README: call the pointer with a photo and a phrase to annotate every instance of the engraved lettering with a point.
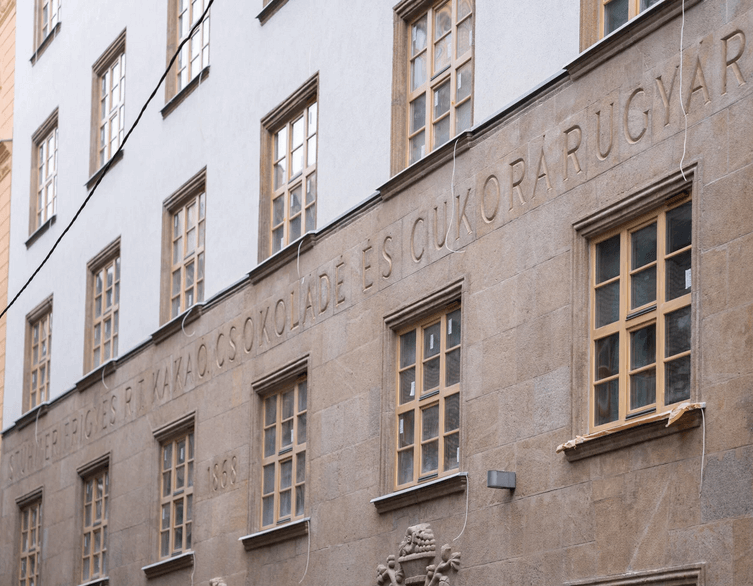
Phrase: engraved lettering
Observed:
(232, 343)
(113, 408)
(280, 317)
(309, 305)
(248, 334)
(218, 358)
(202, 364)
(155, 383)
(263, 313)
(294, 311)
(47, 446)
(515, 183)
(570, 152)
(491, 188)
(366, 265)
(166, 382)
(323, 279)
(129, 395)
(698, 83)
(601, 154)
(443, 231)
(461, 214)
(665, 97)
(88, 425)
(387, 257)
(731, 62)
(416, 257)
(632, 139)
(542, 172)
(338, 283)
(176, 373)
(104, 413)
(189, 371)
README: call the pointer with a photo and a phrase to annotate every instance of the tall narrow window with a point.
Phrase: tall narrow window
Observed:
(194, 56)
(47, 178)
(440, 76)
(176, 495)
(187, 273)
(284, 455)
(428, 399)
(615, 13)
(31, 544)
(96, 507)
(104, 305)
(641, 285)
(111, 108)
(48, 17)
(39, 355)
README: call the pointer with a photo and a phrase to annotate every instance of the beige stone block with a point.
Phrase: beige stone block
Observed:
(607, 488)
(726, 210)
(741, 270)
(543, 344)
(498, 362)
(712, 543)
(742, 536)
(552, 285)
(684, 501)
(714, 280)
(727, 344)
(580, 562)
(484, 413)
(729, 414)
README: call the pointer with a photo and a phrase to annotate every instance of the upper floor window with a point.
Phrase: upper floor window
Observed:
(615, 13)
(641, 316)
(31, 544)
(45, 174)
(96, 508)
(194, 56)
(103, 306)
(39, 355)
(111, 108)
(176, 495)
(440, 76)
(48, 15)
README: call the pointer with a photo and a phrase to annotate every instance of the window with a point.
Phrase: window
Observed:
(111, 109)
(104, 305)
(284, 456)
(46, 158)
(31, 544)
(294, 172)
(183, 253)
(194, 56)
(428, 399)
(48, 15)
(39, 355)
(96, 506)
(440, 76)
(615, 13)
(641, 316)
(176, 495)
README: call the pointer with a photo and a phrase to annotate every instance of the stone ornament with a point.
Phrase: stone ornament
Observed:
(414, 563)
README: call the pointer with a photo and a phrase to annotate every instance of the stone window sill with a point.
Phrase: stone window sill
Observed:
(178, 98)
(101, 171)
(421, 493)
(41, 230)
(276, 534)
(683, 417)
(97, 582)
(269, 10)
(179, 562)
(45, 43)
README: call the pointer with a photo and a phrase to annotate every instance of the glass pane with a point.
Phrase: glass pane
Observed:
(607, 356)
(270, 410)
(302, 429)
(417, 147)
(179, 512)
(643, 347)
(408, 349)
(405, 466)
(464, 8)
(418, 72)
(442, 97)
(285, 504)
(267, 510)
(453, 329)
(297, 133)
(302, 395)
(286, 434)
(643, 287)
(429, 422)
(280, 175)
(166, 516)
(464, 82)
(442, 132)
(180, 477)
(311, 151)
(607, 397)
(451, 451)
(295, 228)
(679, 227)
(312, 119)
(643, 389)
(299, 500)
(643, 246)
(277, 239)
(607, 304)
(300, 467)
(442, 20)
(431, 374)
(405, 429)
(87, 515)
(431, 340)
(288, 404)
(418, 35)
(615, 15)
(165, 543)
(418, 113)
(189, 274)
(442, 53)
(167, 457)
(407, 385)
(678, 275)
(452, 368)
(311, 189)
(269, 479)
(166, 483)
(677, 380)
(465, 36)
(452, 412)
(608, 259)
(647, 3)
(176, 282)
(296, 165)
(677, 331)
(429, 457)
(178, 536)
(310, 218)
(188, 535)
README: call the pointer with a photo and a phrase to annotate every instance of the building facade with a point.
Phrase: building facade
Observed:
(525, 358)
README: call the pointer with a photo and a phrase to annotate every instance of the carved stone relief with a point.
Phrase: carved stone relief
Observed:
(414, 565)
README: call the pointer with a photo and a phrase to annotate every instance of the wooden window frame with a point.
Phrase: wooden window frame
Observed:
(40, 140)
(113, 58)
(283, 117)
(173, 497)
(407, 13)
(592, 17)
(174, 84)
(96, 496)
(30, 554)
(421, 401)
(44, 27)
(189, 194)
(295, 453)
(109, 257)
(633, 320)
(40, 314)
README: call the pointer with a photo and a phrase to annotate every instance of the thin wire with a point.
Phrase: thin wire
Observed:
(703, 453)
(308, 553)
(298, 260)
(452, 201)
(109, 163)
(183, 324)
(36, 425)
(467, 498)
(679, 93)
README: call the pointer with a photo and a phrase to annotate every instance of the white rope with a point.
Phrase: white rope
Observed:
(36, 425)
(703, 452)
(452, 201)
(183, 324)
(193, 554)
(298, 259)
(104, 366)
(679, 93)
(308, 552)
(467, 497)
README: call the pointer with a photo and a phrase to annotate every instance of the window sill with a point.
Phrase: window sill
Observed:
(178, 98)
(276, 534)
(269, 10)
(421, 493)
(45, 43)
(101, 171)
(97, 582)
(41, 230)
(683, 417)
(179, 562)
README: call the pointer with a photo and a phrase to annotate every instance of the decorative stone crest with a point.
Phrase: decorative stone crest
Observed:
(414, 564)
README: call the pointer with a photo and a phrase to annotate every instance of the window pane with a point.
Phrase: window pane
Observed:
(286, 434)
(300, 467)
(429, 422)
(285, 504)
(465, 37)
(431, 340)
(452, 368)
(407, 385)
(643, 287)
(615, 15)
(607, 356)
(270, 410)
(418, 35)
(442, 97)
(442, 53)
(269, 479)
(608, 259)
(302, 429)
(405, 466)
(607, 304)
(677, 383)
(288, 404)
(299, 500)
(452, 412)
(607, 397)
(451, 451)
(311, 151)
(408, 349)
(453, 329)
(311, 189)
(643, 347)
(418, 72)
(405, 429)
(418, 113)
(429, 457)
(643, 250)
(167, 457)
(417, 147)
(302, 395)
(442, 20)
(277, 239)
(297, 133)
(679, 227)
(296, 164)
(280, 175)
(463, 117)
(267, 510)
(431, 374)
(643, 389)
(678, 275)
(677, 331)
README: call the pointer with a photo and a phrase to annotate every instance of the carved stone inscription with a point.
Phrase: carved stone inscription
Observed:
(414, 566)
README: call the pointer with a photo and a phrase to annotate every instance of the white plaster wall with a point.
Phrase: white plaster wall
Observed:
(253, 69)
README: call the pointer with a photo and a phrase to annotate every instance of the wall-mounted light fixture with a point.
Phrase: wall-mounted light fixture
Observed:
(499, 479)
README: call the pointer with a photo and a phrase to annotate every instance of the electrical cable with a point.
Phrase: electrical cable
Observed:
(308, 552)
(109, 163)
(703, 452)
(679, 93)
(467, 498)
(452, 203)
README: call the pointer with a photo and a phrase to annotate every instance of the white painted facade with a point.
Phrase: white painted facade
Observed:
(517, 45)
